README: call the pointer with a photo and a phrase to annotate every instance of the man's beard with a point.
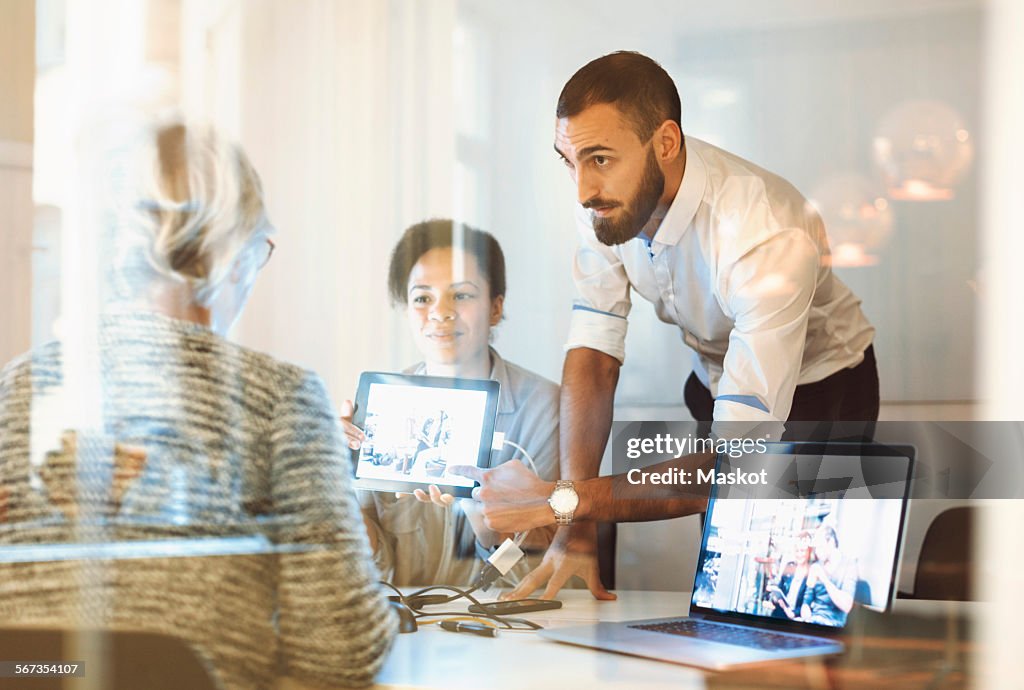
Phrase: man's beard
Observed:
(635, 216)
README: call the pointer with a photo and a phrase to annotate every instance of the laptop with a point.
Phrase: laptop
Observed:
(830, 511)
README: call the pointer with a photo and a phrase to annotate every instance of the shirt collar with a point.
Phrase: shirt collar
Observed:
(499, 373)
(683, 208)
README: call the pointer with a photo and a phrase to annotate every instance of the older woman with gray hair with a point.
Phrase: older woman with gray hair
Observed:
(209, 443)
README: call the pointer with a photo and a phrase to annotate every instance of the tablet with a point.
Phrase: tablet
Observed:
(418, 426)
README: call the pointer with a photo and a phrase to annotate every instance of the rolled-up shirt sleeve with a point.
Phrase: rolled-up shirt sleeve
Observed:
(769, 292)
(601, 308)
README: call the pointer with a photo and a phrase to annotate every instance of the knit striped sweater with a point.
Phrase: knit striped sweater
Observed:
(238, 449)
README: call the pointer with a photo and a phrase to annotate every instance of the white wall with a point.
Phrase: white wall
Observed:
(346, 111)
(363, 117)
(799, 92)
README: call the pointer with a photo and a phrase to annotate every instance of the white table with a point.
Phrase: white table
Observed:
(435, 658)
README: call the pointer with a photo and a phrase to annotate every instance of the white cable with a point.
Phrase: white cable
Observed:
(521, 536)
(499, 441)
(529, 460)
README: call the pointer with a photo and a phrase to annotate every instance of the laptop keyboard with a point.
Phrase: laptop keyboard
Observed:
(728, 634)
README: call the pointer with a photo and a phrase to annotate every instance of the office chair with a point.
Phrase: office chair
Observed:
(944, 566)
(131, 660)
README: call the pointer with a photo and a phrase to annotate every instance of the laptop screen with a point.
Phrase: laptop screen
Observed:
(821, 536)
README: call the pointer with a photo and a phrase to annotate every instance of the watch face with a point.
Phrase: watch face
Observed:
(564, 500)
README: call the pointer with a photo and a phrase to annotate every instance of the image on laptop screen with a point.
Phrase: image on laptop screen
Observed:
(413, 434)
(807, 559)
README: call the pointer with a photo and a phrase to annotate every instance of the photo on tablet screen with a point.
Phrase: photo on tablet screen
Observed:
(418, 427)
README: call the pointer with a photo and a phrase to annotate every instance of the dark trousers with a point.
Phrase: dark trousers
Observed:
(850, 395)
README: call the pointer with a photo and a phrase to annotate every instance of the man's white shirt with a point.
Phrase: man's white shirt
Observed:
(741, 264)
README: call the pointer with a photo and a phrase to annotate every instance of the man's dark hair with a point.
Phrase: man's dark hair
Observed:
(633, 83)
(439, 233)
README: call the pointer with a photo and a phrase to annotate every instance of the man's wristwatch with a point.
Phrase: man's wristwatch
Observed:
(563, 501)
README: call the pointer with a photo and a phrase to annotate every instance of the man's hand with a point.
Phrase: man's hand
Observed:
(487, 537)
(573, 552)
(512, 498)
(472, 510)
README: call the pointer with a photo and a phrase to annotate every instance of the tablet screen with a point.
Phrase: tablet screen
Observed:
(418, 427)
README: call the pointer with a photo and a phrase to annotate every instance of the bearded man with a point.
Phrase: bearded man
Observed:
(730, 253)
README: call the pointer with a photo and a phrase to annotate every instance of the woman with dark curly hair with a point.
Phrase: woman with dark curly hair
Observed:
(450, 281)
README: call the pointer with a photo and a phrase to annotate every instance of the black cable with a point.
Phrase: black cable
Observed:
(459, 593)
(506, 621)
(410, 600)
(487, 575)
